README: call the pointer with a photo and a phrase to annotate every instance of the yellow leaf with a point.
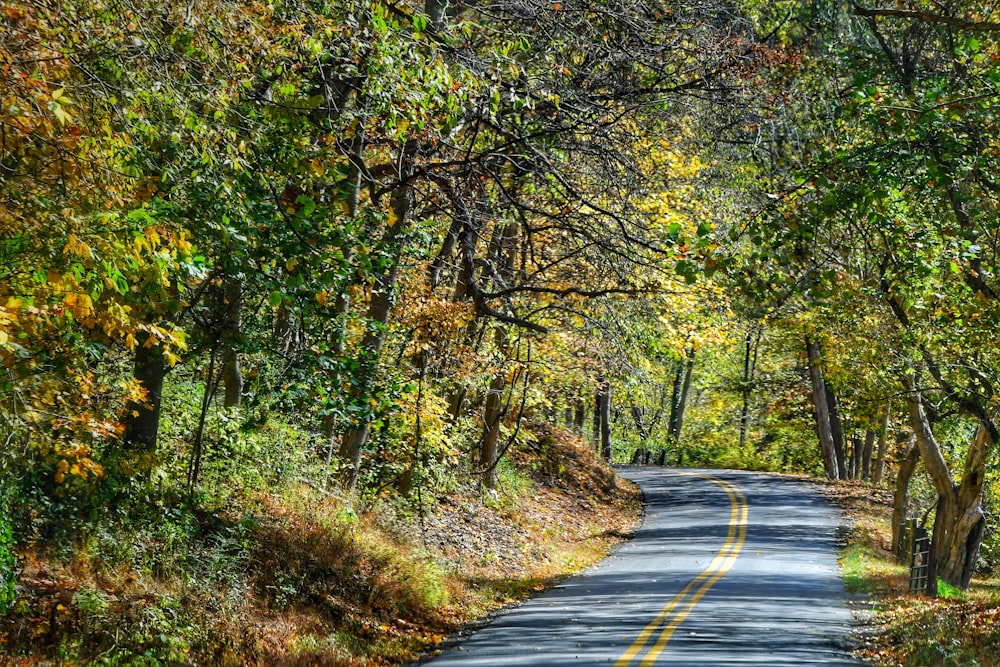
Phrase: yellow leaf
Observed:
(318, 167)
(61, 115)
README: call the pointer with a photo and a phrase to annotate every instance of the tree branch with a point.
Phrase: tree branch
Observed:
(961, 24)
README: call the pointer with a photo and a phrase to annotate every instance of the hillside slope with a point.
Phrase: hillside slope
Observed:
(299, 577)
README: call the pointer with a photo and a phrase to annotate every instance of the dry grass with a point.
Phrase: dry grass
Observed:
(297, 580)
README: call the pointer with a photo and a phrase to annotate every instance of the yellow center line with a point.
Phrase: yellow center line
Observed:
(722, 563)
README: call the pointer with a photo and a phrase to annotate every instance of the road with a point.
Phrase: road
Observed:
(729, 568)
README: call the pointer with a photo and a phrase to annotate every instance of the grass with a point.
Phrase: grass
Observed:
(868, 571)
(956, 629)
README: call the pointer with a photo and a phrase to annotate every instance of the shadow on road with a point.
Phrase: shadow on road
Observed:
(781, 603)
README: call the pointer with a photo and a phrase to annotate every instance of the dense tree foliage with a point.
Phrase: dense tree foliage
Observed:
(404, 235)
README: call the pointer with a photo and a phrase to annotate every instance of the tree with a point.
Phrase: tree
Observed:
(885, 206)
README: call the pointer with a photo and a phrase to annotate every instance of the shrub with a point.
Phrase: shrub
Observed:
(8, 563)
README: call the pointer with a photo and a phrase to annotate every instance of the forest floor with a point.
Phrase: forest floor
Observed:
(298, 577)
(898, 627)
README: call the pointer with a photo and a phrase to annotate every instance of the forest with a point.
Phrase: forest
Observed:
(375, 250)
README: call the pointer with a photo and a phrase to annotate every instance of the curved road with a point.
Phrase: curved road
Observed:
(729, 568)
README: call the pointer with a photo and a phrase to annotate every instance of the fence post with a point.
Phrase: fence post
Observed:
(920, 559)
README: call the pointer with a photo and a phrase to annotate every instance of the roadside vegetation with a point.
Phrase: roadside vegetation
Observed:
(278, 572)
(960, 628)
(286, 284)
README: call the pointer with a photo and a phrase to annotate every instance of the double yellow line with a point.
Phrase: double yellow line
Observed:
(675, 611)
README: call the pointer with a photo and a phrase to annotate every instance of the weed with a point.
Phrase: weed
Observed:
(946, 590)
(8, 563)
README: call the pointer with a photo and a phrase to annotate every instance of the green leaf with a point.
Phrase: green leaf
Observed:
(308, 205)
(275, 299)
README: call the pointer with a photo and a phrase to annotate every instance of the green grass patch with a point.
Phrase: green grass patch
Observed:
(869, 571)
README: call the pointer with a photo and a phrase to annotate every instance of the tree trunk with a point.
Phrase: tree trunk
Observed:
(598, 409)
(878, 470)
(901, 502)
(207, 397)
(232, 374)
(866, 455)
(819, 395)
(678, 421)
(342, 303)
(493, 412)
(837, 431)
(640, 425)
(382, 299)
(286, 330)
(579, 416)
(751, 346)
(445, 254)
(960, 522)
(437, 13)
(606, 420)
(678, 402)
(142, 419)
(675, 401)
(857, 451)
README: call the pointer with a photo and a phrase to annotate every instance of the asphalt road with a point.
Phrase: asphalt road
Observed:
(729, 568)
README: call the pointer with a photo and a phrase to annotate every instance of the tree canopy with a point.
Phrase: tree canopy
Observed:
(755, 235)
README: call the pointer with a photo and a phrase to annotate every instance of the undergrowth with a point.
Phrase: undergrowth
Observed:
(956, 629)
(284, 573)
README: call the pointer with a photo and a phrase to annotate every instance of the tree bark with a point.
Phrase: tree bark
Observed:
(598, 409)
(492, 414)
(751, 347)
(382, 300)
(878, 470)
(857, 451)
(606, 420)
(437, 13)
(683, 401)
(579, 416)
(960, 522)
(142, 419)
(232, 374)
(901, 501)
(819, 395)
(837, 431)
(641, 426)
(866, 455)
